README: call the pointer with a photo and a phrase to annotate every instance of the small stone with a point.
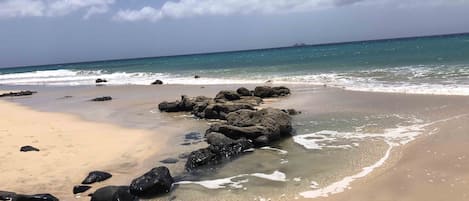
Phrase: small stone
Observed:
(80, 189)
(96, 176)
(169, 161)
(28, 148)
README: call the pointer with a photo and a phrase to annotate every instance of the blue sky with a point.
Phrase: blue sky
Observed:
(34, 32)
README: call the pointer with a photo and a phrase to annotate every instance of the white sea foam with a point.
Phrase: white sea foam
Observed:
(393, 137)
(280, 151)
(237, 181)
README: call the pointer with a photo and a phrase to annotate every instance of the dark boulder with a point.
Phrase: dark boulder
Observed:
(216, 154)
(227, 95)
(101, 99)
(244, 92)
(7, 196)
(196, 76)
(193, 136)
(268, 92)
(169, 161)
(10, 196)
(96, 176)
(99, 80)
(220, 110)
(113, 193)
(155, 182)
(184, 105)
(21, 93)
(218, 139)
(28, 148)
(157, 82)
(80, 189)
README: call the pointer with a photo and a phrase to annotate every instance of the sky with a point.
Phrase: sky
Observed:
(37, 32)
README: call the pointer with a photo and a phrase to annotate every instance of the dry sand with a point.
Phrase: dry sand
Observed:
(70, 148)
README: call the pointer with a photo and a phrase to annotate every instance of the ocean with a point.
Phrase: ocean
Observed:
(423, 65)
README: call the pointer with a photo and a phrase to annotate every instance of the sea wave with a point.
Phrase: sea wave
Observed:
(438, 80)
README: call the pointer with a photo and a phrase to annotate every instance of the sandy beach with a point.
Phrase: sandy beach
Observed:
(69, 149)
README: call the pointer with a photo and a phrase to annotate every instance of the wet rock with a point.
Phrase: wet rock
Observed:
(292, 112)
(227, 95)
(218, 139)
(186, 143)
(96, 176)
(99, 80)
(193, 136)
(101, 99)
(183, 155)
(196, 76)
(113, 193)
(157, 82)
(21, 93)
(169, 161)
(155, 182)
(253, 100)
(80, 189)
(244, 92)
(268, 92)
(220, 110)
(28, 148)
(10, 196)
(216, 154)
(184, 105)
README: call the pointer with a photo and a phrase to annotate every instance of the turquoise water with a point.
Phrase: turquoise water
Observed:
(437, 64)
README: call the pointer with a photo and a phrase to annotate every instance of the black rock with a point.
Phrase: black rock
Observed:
(96, 176)
(244, 92)
(80, 189)
(104, 98)
(169, 161)
(196, 76)
(227, 95)
(218, 139)
(113, 193)
(216, 154)
(21, 93)
(157, 82)
(28, 148)
(155, 182)
(7, 196)
(37, 197)
(185, 105)
(99, 80)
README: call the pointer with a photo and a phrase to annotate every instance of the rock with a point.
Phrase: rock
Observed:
(80, 189)
(216, 154)
(218, 139)
(101, 99)
(21, 93)
(183, 155)
(196, 76)
(262, 127)
(253, 100)
(169, 161)
(10, 196)
(184, 105)
(227, 95)
(99, 80)
(292, 112)
(220, 110)
(268, 92)
(113, 193)
(96, 176)
(157, 82)
(28, 148)
(244, 92)
(155, 182)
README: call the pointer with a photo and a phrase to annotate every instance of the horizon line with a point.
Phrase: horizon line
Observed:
(297, 45)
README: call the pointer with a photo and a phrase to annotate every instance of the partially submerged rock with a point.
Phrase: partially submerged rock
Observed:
(216, 154)
(113, 193)
(80, 189)
(20, 93)
(11, 196)
(184, 105)
(28, 148)
(101, 99)
(155, 182)
(157, 82)
(99, 80)
(96, 176)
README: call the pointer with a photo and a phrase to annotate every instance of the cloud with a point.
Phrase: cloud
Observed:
(188, 8)
(51, 8)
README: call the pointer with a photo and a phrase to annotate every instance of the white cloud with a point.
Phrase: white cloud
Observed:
(188, 8)
(50, 8)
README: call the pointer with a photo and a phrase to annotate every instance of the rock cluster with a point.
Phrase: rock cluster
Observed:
(10, 196)
(21, 93)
